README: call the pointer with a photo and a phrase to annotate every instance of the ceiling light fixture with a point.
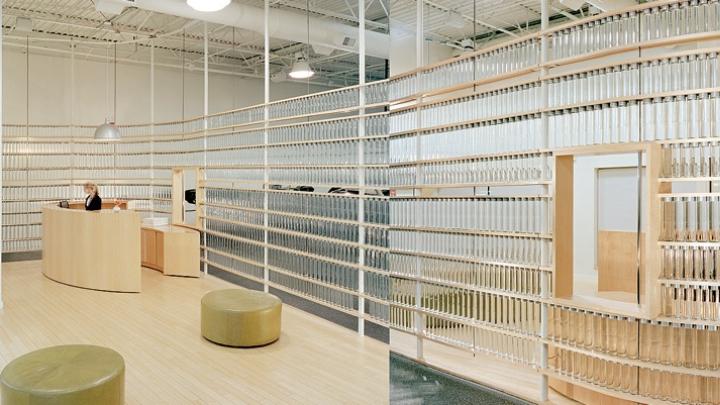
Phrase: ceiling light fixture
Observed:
(208, 6)
(109, 131)
(301, 68)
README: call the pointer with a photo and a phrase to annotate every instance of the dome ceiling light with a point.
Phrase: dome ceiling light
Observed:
(208, 6)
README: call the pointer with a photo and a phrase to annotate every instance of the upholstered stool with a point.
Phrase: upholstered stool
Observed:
(65, 375)
(240, 318)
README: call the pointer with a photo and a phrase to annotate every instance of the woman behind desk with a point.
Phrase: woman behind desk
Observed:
(93, 202)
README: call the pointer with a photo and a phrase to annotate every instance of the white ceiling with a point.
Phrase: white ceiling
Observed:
(179, 40)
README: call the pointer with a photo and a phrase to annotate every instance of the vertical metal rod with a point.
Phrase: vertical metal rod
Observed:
(27, 138)
(152, 128)
(361, 169)
(639, 224)
(206, 93)
(182, 75)
(205, 72)
(115, 83)
(115, 157)
(72, 116)
(1, 148)
(266, 123)
(419, 61)
(544, 276)
(639, 170)
(308, 47)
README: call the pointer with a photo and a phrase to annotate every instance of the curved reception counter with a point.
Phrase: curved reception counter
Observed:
(99, 250)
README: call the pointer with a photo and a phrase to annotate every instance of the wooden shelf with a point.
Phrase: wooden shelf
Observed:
(330, 140)
(657, 43)
(690, 141)
(234, 257)
(463, 86)
(467, 287)
(469, 322)
(715, 244)
(690, 283)
(603, 390)
(466, 259)
(267, 190)
(437, 128)
(258, 264)
(473, 185)
(688, 195)
(300, 234)
(471, 197)
(631, 61)
(488, 156)
(451, 99)
(634, 362)
(338, 288)
(464, 231)
(302, 216)
(687, 179)
(284, 249)
(529, 113)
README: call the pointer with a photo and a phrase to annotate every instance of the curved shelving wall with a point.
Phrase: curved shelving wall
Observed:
(464, 252)
(476, 259)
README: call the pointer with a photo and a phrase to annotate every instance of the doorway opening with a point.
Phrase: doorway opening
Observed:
(603, 201)
(185, 182)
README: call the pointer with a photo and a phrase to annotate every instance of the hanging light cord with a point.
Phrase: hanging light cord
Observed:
(107, 83)
(307, 55)
(115, 84)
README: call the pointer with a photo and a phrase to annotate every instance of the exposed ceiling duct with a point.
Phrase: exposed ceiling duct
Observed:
(602, 5)
(285, 25)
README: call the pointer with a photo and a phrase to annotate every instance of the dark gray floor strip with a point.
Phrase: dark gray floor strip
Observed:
(412, 383)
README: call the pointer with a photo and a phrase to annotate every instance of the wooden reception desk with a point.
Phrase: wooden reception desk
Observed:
(99, 250)
(173, 250)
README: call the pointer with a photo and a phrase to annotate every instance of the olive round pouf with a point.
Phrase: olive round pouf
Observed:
(240, 318)
(65, 375)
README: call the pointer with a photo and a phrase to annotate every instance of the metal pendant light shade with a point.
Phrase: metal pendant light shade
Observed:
(107, 131)
(301, 69)
(208, 6)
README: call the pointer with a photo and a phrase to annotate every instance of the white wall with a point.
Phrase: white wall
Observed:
(622, 209)
(402, 49)
(585, 205)
(51, 94)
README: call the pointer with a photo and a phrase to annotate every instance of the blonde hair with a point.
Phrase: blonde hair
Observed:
(93, 187)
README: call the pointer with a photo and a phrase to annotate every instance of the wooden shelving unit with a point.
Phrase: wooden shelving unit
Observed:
(468, 105)
(435, 136)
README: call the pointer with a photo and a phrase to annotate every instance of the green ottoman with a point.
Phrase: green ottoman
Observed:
(65, 375)
(240, 318)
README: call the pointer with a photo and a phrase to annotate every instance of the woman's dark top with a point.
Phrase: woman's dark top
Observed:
(95, 204)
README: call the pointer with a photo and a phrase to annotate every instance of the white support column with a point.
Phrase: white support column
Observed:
(1, 148)
(544, 277)
(361, 169)
(266, 118)
(205, 73)
(206, 93)
(72, 115)
(419, 61)
(152, 128)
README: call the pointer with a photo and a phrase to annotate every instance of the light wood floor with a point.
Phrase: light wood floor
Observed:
(168, 362)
